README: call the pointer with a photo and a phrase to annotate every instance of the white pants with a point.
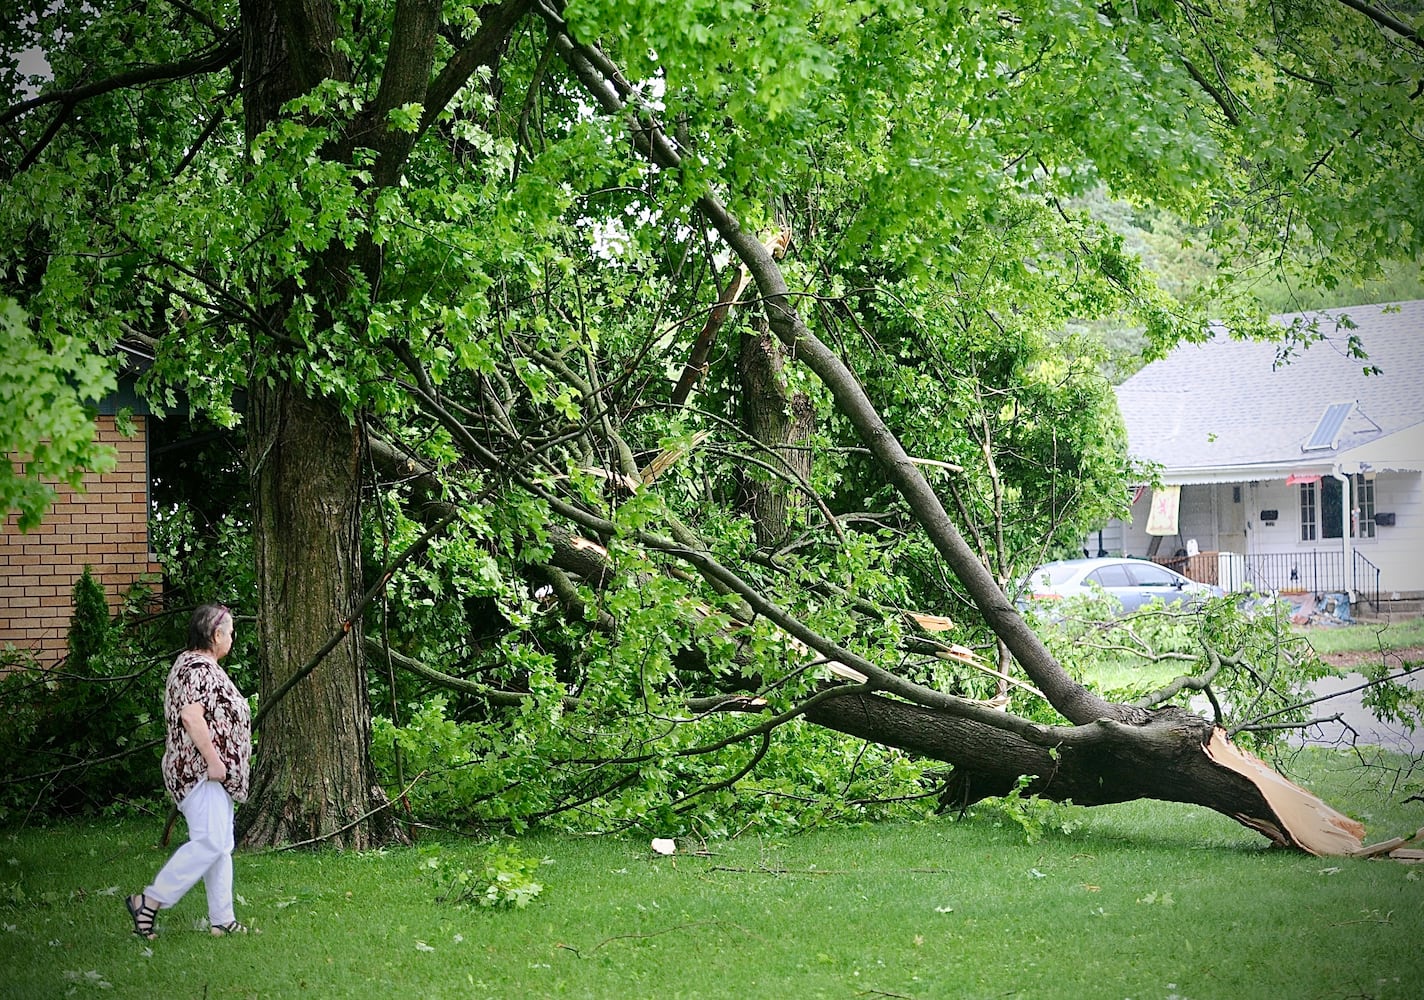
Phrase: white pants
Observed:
(207, 855)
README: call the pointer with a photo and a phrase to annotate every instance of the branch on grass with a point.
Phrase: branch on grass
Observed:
(355, 822)
(669, 930)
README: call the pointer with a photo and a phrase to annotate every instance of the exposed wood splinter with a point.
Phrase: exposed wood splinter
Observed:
(1303, 820)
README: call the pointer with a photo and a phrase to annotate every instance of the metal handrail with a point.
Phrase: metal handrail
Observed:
(1312, 571)
(1365, 591)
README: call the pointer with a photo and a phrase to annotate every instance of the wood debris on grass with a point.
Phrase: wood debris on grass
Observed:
(1394, 849)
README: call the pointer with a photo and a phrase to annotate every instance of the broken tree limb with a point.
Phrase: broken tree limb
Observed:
(696, 366)
(1304, 820)
(609, 88)
(1105, 763)
(1164, 754)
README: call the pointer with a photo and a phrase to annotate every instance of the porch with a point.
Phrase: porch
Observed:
(1319, 571)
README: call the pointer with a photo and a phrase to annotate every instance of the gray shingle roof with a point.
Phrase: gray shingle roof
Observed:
(1227, 403)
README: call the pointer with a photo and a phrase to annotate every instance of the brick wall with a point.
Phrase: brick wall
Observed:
(105, 527)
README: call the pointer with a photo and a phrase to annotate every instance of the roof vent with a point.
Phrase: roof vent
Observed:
(1326, 436)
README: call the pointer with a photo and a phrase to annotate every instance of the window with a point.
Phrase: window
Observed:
(1365, 506)
(1323, 516)
(1110, 576)
(1148, 575)
(1307, 512)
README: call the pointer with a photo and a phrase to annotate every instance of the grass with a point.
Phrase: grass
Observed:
(1366, 637)
(1140, 900)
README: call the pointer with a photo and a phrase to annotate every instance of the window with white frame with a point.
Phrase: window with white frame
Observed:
(1320, 510)
(1364, 506)
(1307, 512)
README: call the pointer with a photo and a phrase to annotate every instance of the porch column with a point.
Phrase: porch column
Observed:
(1347, 546)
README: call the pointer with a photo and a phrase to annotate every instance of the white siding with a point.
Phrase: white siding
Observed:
(1210, 514)
(1398, 549)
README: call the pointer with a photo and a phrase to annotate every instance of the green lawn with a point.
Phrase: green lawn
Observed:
(1144, 900)
(1366, 637)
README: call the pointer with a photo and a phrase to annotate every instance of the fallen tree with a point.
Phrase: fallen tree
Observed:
(1113, 753)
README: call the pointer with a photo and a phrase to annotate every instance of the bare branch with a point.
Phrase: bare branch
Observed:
(224, 55)
(1385, 20)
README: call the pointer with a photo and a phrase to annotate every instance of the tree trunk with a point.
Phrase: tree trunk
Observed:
(314, 777)
(1174, 756)
(781, 421)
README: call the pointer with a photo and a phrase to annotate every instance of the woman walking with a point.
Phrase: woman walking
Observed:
(205, 769)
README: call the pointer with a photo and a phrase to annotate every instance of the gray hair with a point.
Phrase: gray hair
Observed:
(203, 626)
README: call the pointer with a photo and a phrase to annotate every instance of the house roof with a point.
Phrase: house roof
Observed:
(1226, 410)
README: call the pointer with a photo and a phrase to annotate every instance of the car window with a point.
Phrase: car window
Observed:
(1110, 576)
(1148, 575)
(1053, 574)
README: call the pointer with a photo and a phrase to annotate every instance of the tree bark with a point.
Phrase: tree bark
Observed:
(314, 777)
(781, 421)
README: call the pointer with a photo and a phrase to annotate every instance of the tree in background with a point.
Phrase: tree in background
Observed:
(456, 256)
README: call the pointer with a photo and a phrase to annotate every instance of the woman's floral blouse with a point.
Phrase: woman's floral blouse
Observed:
(196, 678)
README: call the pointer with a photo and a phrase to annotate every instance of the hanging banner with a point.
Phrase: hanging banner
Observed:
(1162, 520)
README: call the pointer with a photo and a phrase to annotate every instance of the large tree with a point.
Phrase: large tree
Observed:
(476, 246)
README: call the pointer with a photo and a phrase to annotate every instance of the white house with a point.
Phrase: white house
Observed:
(1298, 474)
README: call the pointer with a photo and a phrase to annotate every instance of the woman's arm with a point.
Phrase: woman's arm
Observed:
(195, 724)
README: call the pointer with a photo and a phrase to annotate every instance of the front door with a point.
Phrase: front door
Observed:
(1231, 503)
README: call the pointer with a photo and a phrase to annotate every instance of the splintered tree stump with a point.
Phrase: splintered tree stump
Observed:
(1305, 820)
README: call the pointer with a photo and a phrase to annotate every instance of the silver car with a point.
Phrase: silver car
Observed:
(1131, 582)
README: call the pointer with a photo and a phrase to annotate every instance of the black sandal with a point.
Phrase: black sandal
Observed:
(143, 916)
(232, 927)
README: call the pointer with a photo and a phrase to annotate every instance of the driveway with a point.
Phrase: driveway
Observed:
(1347, 703)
